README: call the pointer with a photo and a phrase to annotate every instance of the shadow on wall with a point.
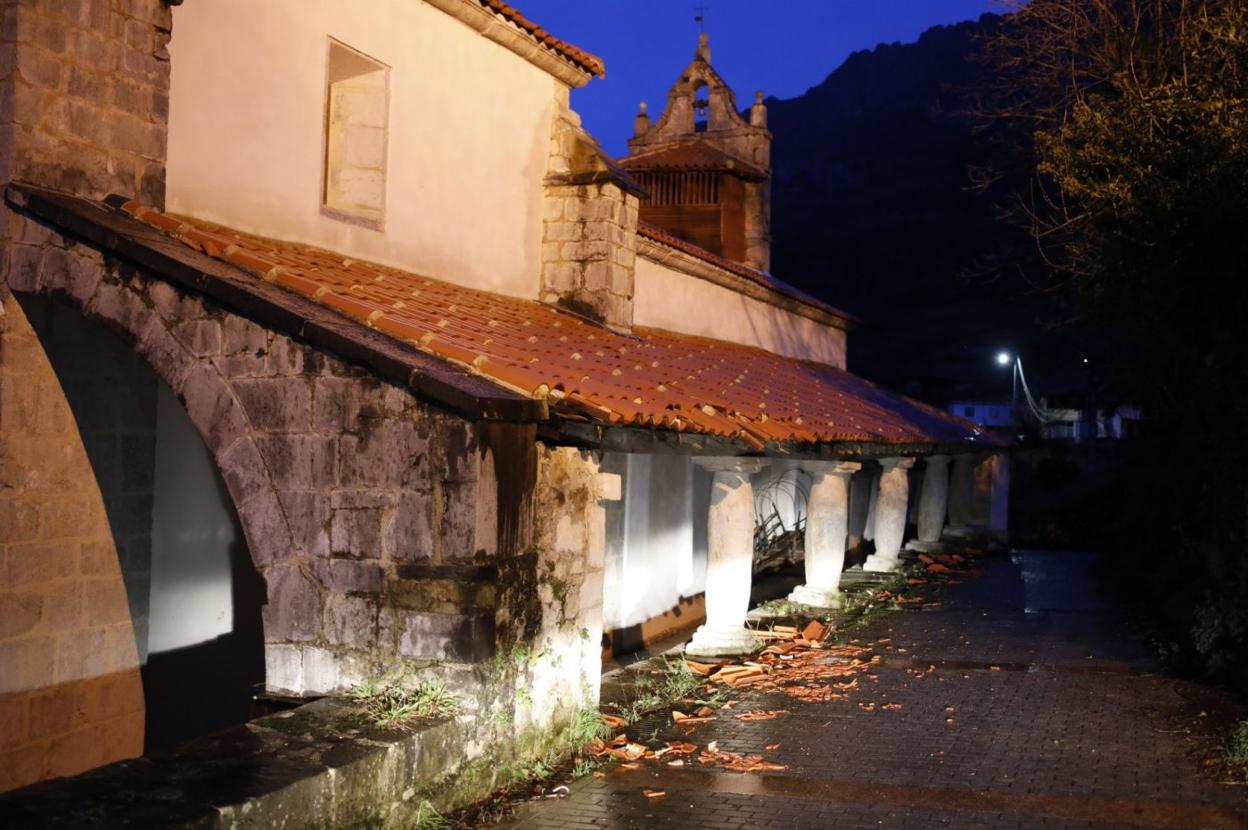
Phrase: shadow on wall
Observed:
(193, 594)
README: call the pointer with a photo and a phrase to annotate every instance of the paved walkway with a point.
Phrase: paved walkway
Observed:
(1042, 711)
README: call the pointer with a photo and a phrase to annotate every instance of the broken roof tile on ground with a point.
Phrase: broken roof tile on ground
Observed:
(649, 378)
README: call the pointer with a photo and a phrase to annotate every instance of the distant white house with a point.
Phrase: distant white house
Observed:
(1059, 423)
(984, 413)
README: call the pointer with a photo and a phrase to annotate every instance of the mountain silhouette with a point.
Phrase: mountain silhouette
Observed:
(874, 211)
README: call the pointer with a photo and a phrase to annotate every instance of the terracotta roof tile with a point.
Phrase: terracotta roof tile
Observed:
(651, 378)
(590, 63)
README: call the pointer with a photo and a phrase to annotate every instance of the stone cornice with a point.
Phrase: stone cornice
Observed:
(693, 266)
(509, 36)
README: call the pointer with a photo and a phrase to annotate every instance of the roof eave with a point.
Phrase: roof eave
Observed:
(114, 232)
(510, 36)
(627, 439)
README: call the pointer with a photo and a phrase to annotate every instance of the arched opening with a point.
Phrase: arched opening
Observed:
(193, 594)
(701, 107)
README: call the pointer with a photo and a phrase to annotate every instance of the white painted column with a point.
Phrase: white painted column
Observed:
(999, 517)
(890, 514)
(827, 528)
(934, 498)
(730, 559)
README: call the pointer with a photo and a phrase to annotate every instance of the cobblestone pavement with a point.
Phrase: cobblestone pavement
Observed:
(1043, 710)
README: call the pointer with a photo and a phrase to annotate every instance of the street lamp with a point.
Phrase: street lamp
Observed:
(1004, 358)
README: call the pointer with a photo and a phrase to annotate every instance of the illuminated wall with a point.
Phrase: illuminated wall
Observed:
(469, 129)
(667, 298)
(71, 697)
(159, 590)
(656, 534)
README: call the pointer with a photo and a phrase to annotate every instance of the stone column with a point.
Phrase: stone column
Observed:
(730, 558)
(961, 494)
(890, 514)
(934, 499)
(827, 528)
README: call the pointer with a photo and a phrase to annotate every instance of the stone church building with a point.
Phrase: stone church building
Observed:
(334, 350)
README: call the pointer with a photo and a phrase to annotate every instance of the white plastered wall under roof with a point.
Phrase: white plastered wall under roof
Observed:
(468, 135)
(656, 546)
(666, 298)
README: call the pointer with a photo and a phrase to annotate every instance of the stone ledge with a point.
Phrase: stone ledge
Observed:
(314, 766)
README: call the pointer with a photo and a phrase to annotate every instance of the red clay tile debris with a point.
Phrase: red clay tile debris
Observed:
(649, 379)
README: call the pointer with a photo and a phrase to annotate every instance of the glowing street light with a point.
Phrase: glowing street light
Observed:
(1004, 359)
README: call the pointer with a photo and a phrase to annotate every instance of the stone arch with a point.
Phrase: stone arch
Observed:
(192, 598)
(163, 326)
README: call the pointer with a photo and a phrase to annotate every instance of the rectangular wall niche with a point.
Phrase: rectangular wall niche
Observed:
(356, 121)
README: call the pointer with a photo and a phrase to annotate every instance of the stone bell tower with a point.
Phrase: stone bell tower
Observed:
(706, 169)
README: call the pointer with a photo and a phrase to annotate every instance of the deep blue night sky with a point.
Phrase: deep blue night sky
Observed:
(779, 46)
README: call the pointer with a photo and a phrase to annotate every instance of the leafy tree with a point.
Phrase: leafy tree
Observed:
(1135, 116)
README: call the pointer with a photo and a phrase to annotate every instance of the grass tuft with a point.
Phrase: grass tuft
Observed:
(587, 726)
(428, 818)
(1237, 745)
(394, 706)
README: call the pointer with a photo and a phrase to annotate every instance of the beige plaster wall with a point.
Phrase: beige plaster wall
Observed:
(469, 134)
(668, 299)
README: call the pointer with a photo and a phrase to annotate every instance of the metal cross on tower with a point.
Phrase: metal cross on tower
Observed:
(700, 17)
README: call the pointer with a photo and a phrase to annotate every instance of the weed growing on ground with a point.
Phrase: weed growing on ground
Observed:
(584, 766)
(537, 770)
(428, 818)
(672, 681)
(676, 680)
(588, 725)
(394, 706)
(1237, 746)
(715, 699)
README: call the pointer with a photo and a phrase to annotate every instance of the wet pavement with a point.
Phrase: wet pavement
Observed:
(1025, 699)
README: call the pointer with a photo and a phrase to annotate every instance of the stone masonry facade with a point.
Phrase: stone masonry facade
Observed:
(395, 539)
(84, 95)
(589, 241)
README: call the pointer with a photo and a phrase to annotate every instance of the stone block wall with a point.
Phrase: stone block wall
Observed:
(589, 238)
(84, 95)
(70, 693)
(396, 540)
(570, 539)
(112, 397)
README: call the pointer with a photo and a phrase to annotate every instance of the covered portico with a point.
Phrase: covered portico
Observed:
(731, 525)
(682, 541)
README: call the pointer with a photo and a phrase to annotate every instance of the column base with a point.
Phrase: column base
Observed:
(816, 597)
(721, 642)
(921, 546)
(880, 564)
